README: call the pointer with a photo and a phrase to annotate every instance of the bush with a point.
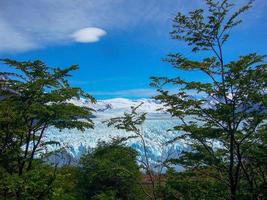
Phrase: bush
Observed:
(192, 185)
(36, 184)
(110, 172)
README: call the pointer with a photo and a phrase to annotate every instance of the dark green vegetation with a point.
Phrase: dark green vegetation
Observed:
(34, 97)
(110, 172)
(228, 138)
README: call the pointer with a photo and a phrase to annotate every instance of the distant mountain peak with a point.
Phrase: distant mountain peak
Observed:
(116, 107)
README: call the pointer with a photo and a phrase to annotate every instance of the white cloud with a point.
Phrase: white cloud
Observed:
(139, 92)
(89, 34)
(31, 24)
(33, 27)
(14, 40)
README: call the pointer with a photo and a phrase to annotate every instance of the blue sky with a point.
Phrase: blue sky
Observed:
(118, 44)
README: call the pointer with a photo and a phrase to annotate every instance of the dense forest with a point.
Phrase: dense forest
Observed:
(228, 139)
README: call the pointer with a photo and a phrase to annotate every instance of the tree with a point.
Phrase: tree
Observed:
(193, 185)
(35, 184)
(35, 97)
(110, 172)
(64, 186)
(133, 122)
(224, 122)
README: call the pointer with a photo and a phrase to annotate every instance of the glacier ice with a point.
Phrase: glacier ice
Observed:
(156, 130)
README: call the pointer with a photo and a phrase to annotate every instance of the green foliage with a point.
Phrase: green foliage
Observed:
(36, 184)
(132, 122)
(34, 97)
(108, 195)
(193, 185)
(203, 32)
(110, 172)
(129, 122)
(65, 184)
(228, 116)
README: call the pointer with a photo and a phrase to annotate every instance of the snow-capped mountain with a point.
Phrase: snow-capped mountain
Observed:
(116, 107)
(155, 129)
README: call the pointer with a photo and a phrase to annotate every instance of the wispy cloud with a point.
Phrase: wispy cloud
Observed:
(33, 24)
(140, 93)
(136, 93)
(11, 39)
(30, 24)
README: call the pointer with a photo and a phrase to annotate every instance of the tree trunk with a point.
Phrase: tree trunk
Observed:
(231, 169)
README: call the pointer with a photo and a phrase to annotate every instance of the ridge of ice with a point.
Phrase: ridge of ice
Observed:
(155, 129)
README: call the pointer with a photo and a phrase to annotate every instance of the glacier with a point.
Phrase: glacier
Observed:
(156, 131)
